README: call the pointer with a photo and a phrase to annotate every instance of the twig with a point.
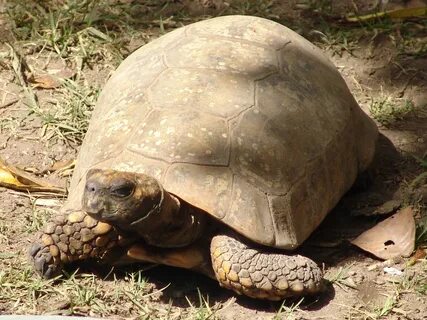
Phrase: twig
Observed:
(9, 103)
(18, 65)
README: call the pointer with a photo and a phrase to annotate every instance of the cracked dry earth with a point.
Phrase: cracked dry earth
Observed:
(374, 68)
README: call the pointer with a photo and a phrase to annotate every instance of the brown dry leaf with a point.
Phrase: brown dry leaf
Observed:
(40, 202)
(418, 255)
(62, 73)
(393, 237)
(60, 166)
(400, 13)
(16, 179)
(45, 81)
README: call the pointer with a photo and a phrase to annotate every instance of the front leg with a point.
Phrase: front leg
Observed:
(75, 237)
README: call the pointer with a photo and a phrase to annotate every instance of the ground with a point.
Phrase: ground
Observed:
(43, 119)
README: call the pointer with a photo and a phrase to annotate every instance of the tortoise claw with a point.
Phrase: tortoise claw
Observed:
(34, 249)
(43, 261)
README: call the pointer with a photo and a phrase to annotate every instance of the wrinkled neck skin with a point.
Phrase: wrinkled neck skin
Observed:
(172, 224)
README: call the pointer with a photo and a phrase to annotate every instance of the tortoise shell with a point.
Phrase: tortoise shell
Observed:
(240, 117)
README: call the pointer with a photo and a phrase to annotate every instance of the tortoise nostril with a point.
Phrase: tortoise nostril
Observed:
(92, 186)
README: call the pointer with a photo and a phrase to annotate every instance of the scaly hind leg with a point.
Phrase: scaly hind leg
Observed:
(263, 275)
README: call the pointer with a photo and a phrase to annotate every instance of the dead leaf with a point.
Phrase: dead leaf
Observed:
(393, 237)
(40, 202)
(99, 34)
(418, 255)
(17, 179)
(63, 73)
(386, 263)
(31, 170)
(60, 166)
(51, 79)
(44, 81)
(393, 14)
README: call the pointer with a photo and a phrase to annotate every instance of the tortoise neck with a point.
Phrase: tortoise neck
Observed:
(172, 223)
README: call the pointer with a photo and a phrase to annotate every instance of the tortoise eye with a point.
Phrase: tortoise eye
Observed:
(122, 191)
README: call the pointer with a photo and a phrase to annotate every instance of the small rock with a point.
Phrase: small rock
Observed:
(392, 271)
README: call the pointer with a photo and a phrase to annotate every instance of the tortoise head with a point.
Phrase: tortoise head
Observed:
(121, 198)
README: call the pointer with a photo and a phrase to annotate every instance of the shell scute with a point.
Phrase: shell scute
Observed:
(213, 185)
(261, 31)
(183, 136)
(214, 92)
(235, 56)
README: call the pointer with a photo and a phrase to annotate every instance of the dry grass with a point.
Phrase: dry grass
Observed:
(70, 33)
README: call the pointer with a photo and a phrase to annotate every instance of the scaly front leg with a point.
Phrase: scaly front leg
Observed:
(75, 237)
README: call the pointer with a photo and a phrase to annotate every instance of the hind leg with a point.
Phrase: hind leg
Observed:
(263, 275)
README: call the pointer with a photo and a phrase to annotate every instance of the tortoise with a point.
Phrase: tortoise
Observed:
(218, 147)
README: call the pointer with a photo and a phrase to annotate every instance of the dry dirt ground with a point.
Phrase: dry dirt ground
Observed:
(42, 122)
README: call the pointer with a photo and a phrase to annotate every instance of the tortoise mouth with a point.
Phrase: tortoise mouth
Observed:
(94, 213)
(103, 215)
